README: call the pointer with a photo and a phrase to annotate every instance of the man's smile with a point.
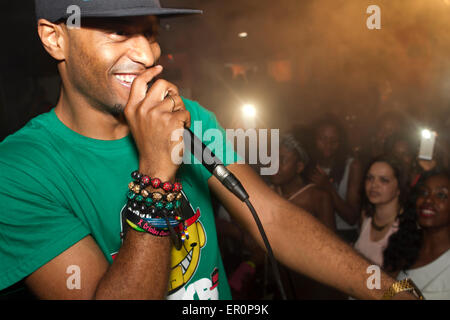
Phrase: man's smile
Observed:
(125, 79)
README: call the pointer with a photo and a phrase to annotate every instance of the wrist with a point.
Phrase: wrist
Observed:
(403, 290)
(162, 173)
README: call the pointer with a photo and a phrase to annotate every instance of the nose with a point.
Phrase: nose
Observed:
(143, 51)
(428, 199)
(374, 184)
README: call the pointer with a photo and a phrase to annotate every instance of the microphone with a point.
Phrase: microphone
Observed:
(213, 164)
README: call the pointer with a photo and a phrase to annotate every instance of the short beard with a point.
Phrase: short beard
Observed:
(116, 110)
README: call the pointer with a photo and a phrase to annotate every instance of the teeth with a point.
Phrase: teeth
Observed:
(428, 212)
(126, 78)
(186, 262)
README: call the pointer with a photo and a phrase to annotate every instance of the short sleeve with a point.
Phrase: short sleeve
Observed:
(205, 126)
(34, 226)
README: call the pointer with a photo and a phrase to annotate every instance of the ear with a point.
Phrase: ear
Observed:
(300, 167)
(53, 38)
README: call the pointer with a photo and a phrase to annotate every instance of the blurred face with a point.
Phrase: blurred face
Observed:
(432, 204)
(290, 167)
(381, 185)
(385, 130)
(105, 55)
(327, 141)
(401, 151)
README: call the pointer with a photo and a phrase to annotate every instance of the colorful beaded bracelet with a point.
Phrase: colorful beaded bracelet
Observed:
(145, 181)
(145, 211)
(168, 197)
(154, 201)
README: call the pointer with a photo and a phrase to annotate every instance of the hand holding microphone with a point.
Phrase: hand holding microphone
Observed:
(153, 114)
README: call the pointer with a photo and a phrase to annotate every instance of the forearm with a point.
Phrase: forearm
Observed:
(305, 245)
(140, 270)
(299, 240)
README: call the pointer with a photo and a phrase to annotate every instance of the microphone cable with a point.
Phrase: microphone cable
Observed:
(215, 166)
(274, 263)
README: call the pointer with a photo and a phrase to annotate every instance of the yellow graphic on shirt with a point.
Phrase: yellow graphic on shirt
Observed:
(185, 260)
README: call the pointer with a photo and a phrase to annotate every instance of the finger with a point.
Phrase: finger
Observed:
(178, 103)
(169, 104)
(184, 117)
(160, 89)
(140, 85)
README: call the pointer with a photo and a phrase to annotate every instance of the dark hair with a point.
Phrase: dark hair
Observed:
(404, 245)
(400, 175)
(338, 168)
(290, 141)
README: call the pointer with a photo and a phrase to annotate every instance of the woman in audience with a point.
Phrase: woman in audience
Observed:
(386, 191)
(420, 250)
(336, 171)
(291, 183)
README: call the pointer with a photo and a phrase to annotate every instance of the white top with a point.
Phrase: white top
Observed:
(373, 250)
(432, 279)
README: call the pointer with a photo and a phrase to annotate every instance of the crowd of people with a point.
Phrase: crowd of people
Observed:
(388, 203)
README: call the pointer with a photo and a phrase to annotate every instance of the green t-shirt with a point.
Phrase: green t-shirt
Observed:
(57, 187)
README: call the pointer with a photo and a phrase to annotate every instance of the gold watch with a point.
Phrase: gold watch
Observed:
(400, 286)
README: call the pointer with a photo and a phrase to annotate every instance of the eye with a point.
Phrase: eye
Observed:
(385, 180)
(442, 195)
(120, 33)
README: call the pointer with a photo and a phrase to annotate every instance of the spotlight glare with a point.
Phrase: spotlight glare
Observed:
(426, 134)
(249, 110)
(243, 35)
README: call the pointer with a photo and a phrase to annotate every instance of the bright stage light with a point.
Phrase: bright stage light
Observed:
(249, 110)
(426, 134)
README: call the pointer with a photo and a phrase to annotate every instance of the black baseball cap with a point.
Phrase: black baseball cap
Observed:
(55, 10)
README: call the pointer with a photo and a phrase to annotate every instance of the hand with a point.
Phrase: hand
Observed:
(152, 117)
(321, 179)
(427, 165)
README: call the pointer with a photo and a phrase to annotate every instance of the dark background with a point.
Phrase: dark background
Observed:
(300, 59)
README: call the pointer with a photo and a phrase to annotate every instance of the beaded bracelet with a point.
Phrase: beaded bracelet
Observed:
(145, 181)
(158, 200)
(146, 212)
(156, 196)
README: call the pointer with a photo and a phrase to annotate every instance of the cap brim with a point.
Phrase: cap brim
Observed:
(136, 12)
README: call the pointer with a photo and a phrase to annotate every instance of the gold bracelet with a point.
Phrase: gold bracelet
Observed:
(400, 286)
